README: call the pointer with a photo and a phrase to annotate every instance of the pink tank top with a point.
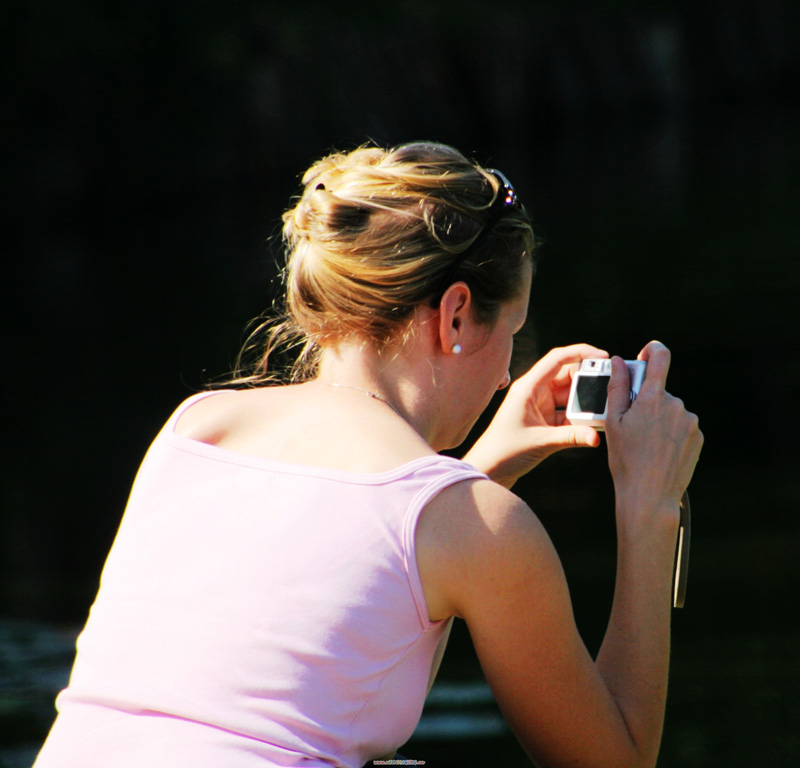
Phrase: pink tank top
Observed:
(253, 614)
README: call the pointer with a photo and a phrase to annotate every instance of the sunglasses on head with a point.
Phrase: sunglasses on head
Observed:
(505, 199)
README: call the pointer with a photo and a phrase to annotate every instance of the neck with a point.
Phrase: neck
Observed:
(368, 393)
(390, 375)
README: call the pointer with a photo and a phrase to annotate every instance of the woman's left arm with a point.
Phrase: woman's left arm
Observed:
(530, 425)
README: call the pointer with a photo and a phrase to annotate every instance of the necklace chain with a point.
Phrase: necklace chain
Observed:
(373, 395)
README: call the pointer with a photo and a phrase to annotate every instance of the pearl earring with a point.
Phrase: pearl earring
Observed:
(456, 349)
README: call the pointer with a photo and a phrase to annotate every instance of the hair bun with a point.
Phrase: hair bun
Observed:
(374, 234)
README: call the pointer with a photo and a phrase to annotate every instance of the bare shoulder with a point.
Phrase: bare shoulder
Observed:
(478, 513)
(473, 535)
(206, 419)
(306, 425)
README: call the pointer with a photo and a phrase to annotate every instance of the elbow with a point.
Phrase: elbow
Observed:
(628, 755)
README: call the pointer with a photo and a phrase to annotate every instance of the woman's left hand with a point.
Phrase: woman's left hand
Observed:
(530, 425)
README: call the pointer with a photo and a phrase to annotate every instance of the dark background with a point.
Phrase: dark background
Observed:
(151, 147)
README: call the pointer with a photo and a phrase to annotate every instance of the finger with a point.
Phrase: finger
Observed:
(619, 390)
(570, 436)
(586, 437)
(658, 359)
(550, 366)
(561, 394)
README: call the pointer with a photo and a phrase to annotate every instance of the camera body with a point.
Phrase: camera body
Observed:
(588, 396)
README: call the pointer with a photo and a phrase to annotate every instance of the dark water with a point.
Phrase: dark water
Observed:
(139, 254)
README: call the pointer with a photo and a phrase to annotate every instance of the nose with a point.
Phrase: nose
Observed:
(506, 381)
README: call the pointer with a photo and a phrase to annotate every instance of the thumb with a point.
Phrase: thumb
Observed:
(619, 389)
(570, 436)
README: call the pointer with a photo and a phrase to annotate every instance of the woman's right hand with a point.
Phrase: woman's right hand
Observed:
(654, 442)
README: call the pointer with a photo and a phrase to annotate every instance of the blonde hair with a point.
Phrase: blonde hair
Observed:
(372, 236)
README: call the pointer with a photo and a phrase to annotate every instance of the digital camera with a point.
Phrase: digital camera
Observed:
(588, 396)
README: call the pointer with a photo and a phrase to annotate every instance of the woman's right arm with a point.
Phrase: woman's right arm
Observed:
(485, 557)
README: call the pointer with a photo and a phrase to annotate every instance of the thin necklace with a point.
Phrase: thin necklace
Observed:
(373, 395)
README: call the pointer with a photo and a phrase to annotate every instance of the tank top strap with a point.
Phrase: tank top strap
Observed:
(185, 405)
(439, 474)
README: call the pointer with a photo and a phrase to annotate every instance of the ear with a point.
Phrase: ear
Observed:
(455, 315)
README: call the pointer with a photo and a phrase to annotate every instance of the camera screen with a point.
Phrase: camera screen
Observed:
(591, 394)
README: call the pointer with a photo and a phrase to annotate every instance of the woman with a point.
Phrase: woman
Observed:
(283, 580)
